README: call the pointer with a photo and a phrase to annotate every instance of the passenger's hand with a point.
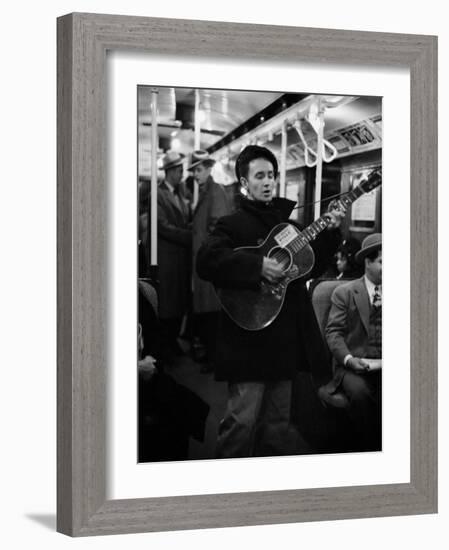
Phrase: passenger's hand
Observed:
(357, 364)
(147, 368)
(272, 270)
(336, 213)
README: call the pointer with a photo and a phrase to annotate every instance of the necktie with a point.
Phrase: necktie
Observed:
(377, 298)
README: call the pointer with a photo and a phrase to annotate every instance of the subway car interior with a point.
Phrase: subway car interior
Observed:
(325, 146)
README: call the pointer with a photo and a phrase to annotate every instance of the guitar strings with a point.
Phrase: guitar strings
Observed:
(299, 238)
(304, 205)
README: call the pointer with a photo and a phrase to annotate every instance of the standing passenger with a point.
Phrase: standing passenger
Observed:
(174, 251)
(260, 365)
(213, 203)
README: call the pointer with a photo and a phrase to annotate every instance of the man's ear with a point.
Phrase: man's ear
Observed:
(244, 182)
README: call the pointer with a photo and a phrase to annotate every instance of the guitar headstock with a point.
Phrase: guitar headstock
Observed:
(373, 180)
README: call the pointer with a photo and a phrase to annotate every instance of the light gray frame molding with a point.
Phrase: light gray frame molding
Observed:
(83, 40)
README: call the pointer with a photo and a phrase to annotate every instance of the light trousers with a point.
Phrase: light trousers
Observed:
(256, 420)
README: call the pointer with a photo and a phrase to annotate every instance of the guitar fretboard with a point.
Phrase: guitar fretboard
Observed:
(311, 232)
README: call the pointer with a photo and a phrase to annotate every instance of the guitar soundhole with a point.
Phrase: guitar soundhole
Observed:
(282, 256)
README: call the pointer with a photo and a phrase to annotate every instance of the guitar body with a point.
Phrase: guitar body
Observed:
(255, 309)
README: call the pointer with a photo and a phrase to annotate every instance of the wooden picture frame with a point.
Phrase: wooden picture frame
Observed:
(83, 40)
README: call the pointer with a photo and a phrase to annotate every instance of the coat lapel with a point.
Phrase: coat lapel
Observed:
(182, 212)
(362, 302)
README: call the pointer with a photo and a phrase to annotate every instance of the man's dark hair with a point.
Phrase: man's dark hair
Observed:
(252, 152)
(373, 255)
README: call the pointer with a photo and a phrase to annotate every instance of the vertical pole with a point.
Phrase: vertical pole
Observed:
(283, 167)
(319, 160)
(197, 141)
(154, 148)
(197, 120)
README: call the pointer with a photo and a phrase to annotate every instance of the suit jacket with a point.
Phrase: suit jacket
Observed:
(174, 252)
(348, 322)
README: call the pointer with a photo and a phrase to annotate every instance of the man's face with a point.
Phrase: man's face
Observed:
(201, 173)
(260, 181)
(174, 175)
(373, 269)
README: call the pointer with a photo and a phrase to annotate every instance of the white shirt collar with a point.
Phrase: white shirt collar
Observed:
(370, 286)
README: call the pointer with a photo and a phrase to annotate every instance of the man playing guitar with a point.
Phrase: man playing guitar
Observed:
(259, 358)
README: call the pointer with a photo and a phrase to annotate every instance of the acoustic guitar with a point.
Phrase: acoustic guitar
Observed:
(256, 308)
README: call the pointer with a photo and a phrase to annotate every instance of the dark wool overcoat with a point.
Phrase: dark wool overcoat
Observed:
(174, 253)
(293, 340)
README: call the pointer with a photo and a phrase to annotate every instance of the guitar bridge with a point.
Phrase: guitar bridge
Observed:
(275, 290)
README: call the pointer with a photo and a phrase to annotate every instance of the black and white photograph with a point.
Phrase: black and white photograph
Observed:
(202, 349)
(259, 328)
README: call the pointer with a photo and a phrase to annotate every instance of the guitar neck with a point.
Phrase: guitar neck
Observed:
(311, 232)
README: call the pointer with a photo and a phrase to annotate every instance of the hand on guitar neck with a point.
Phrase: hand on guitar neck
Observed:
(336, 213)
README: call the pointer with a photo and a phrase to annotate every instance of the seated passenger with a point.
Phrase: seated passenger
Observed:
(354, 336)
(168, 412)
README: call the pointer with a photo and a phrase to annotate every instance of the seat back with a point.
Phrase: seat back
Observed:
(321, 299)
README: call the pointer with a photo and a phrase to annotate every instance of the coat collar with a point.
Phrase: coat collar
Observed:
(283, 207)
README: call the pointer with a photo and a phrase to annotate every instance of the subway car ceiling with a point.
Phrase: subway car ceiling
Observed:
(230, 119)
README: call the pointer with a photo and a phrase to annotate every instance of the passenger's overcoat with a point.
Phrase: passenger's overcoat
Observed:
(213, 203)
(174, 253)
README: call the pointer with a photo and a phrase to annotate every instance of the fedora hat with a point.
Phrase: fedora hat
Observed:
(370, 244)
(172, 159)
(200, 157)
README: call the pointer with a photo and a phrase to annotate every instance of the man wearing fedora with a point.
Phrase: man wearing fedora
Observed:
(354, 336)
(174, 250)
(213, 203)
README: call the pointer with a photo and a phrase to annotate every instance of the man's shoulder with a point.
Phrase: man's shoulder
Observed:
(163, 193)
(214, 184)
(162, 189)
(349, 287)
(237, 217)
(216, 189)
